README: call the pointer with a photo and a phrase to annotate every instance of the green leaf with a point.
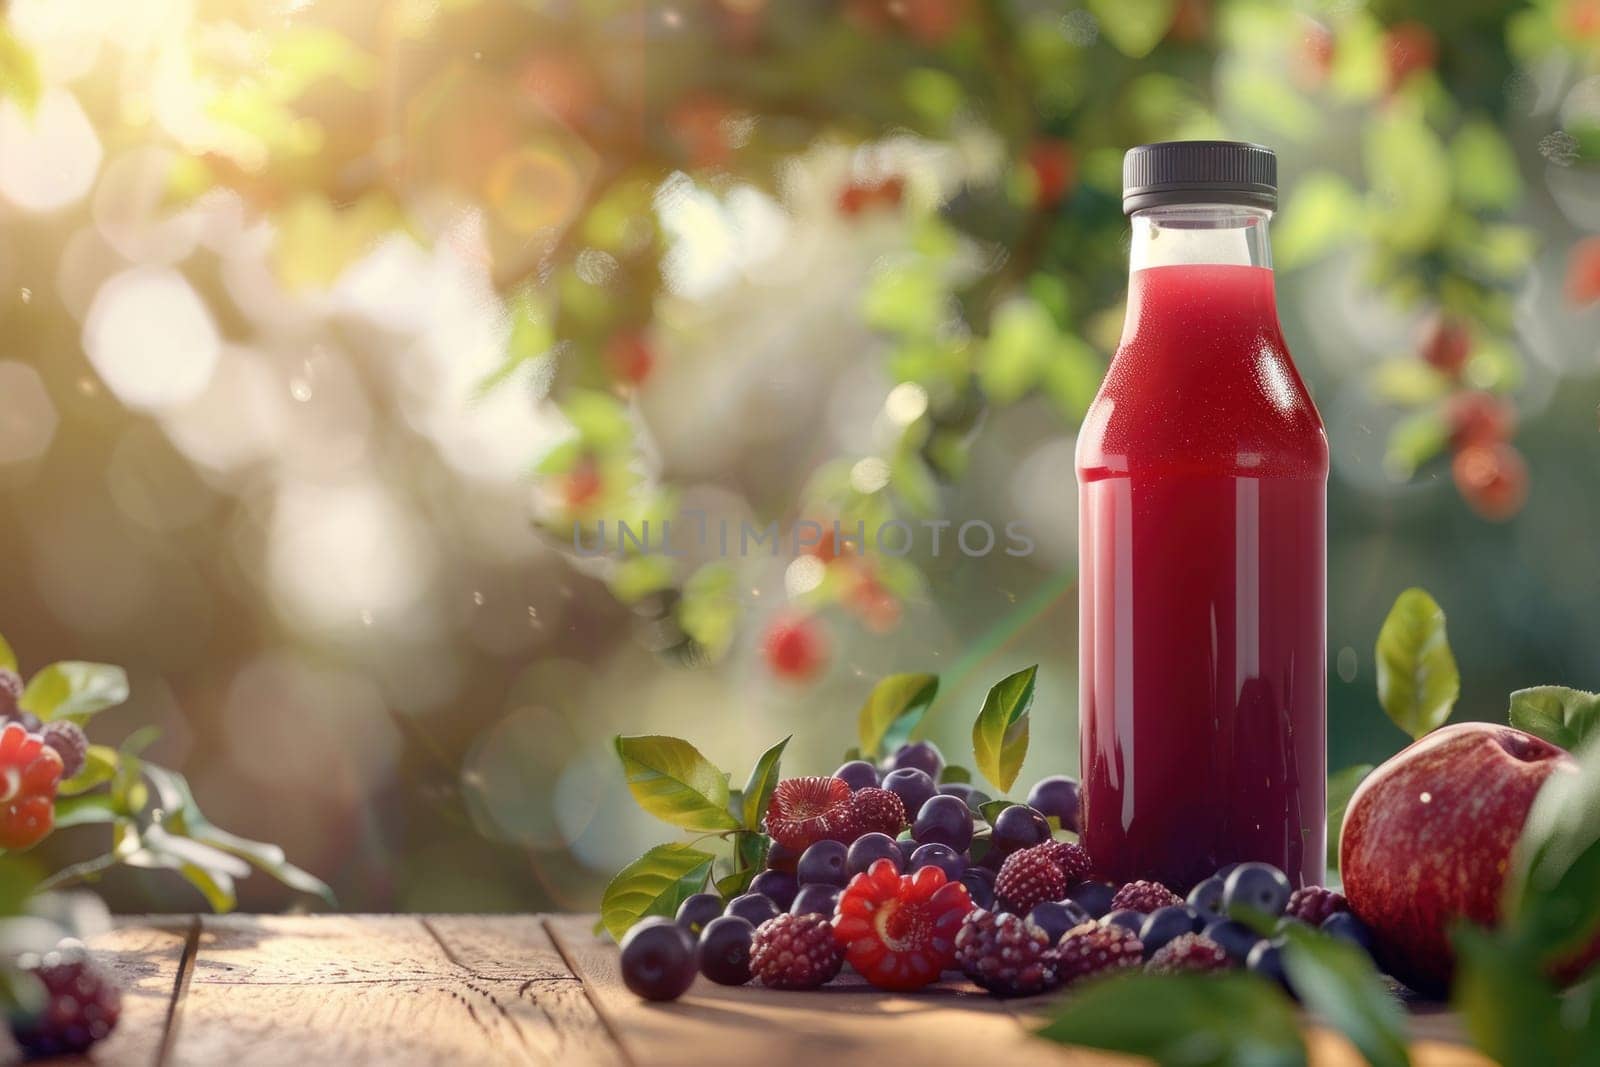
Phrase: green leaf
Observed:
(1509, 1009)
(1134, 27)
(19, 75)
(709, 612)
(80, 811)
(1409, 175)
(8, 658)
(1000, 733)
(1341, 787)
(1560, 715)
(1315, 219)
(1418, 682)
(990, 810)
(892, 711)
(1484, 168)
(1414, 441)
(74, 690)
(954, 773)
(1337, 981)
(1218, 1020)
(99, 767)
(1553, 890)
(758, 788)
(671, 780)
(208, 869)
(654, 884)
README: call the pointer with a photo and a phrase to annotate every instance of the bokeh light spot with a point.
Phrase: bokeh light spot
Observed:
(48, 159)
(27, 418)
(152, 340)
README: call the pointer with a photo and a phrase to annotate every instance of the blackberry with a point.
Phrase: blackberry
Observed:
(781, 886)
(25, 719)
(858, 774)
(1255, 890)
(1005, 954)
(913, 786)
(823, 864)
(81, 1006)
(1312, 904)
(795, 952)
(1166, 925)
(921, 755)
(1093, 897)
(868, 849)
(1029, 878)
(875, 811)
(70, 743)
(944, 820)
(816, 899)
(658, 959)
(1144, 896)
(1056, 917)
(1092, 949)
(10, 692)
(1057, 796)
(1188, 953)
(1072, 858)
(697, 910)
(724, 953)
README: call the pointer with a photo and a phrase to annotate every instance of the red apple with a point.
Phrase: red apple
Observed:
(1427, 840)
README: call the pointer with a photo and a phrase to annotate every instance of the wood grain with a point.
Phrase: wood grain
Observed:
(382, 989)
(144, 955)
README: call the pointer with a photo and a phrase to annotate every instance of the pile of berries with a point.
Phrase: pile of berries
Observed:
(901, 877)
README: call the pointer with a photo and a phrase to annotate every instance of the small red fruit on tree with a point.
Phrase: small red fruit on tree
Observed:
(795, 648)
(1446, 344)
(630, 357)
(1054, 169)
(1583, 272)
(1408, 49)
(1479, 418)
(580, 487)
(1317, 45)
(1492, 479)
(30, 771)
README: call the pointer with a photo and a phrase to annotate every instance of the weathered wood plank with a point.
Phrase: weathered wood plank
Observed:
(144, 954)
(376, 989)
(848, 1021)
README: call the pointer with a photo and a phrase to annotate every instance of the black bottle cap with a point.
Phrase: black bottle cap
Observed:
(1199, 172)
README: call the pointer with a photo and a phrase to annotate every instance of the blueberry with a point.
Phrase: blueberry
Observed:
(1236, 938)
(754, 908)
(980, 886)
(945, 821)
(1093, 897)
(1346, 927)
(1019, 827)
(868, 849)
(823, 863)
(1226, 869)
(923, 755)
(658, 959)
(1206, 898)
(1058, 796)
(817, 898)
(781, 886)
(780, 857)
(947, 859)
(1127, 918)
(725, 950)
(912, 786)
(697, 910)
(1266, 959)
(1166, 923)
(973, 798)
(1056, 917)
(1255, 890)
(857, 774)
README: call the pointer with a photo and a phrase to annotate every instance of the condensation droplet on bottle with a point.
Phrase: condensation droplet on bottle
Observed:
(477, 598)
(300, 389)
(26, 294)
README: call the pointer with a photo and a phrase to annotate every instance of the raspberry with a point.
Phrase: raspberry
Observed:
(1194, 953)
(796, 648)
(1312, 904)
(874, 811)
(10, 691)
(899, 930)
(1005, 954)
(1073, 859)
(81, 1006)
(70, 743)
(1028, 878)
(29, 774)
(795, 952)
(804, 811)
(1093, 949)
(1144, 896)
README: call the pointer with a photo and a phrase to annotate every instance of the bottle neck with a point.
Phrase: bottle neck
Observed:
(1192, 234)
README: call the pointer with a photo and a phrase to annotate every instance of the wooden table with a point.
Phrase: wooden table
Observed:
(453, 989)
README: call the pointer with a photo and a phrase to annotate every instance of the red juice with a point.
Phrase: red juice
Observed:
(1202, 473)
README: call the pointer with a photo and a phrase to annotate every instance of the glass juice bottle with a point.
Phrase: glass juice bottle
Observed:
(1202, 495)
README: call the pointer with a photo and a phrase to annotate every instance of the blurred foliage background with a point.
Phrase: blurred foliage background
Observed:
(325, 322)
